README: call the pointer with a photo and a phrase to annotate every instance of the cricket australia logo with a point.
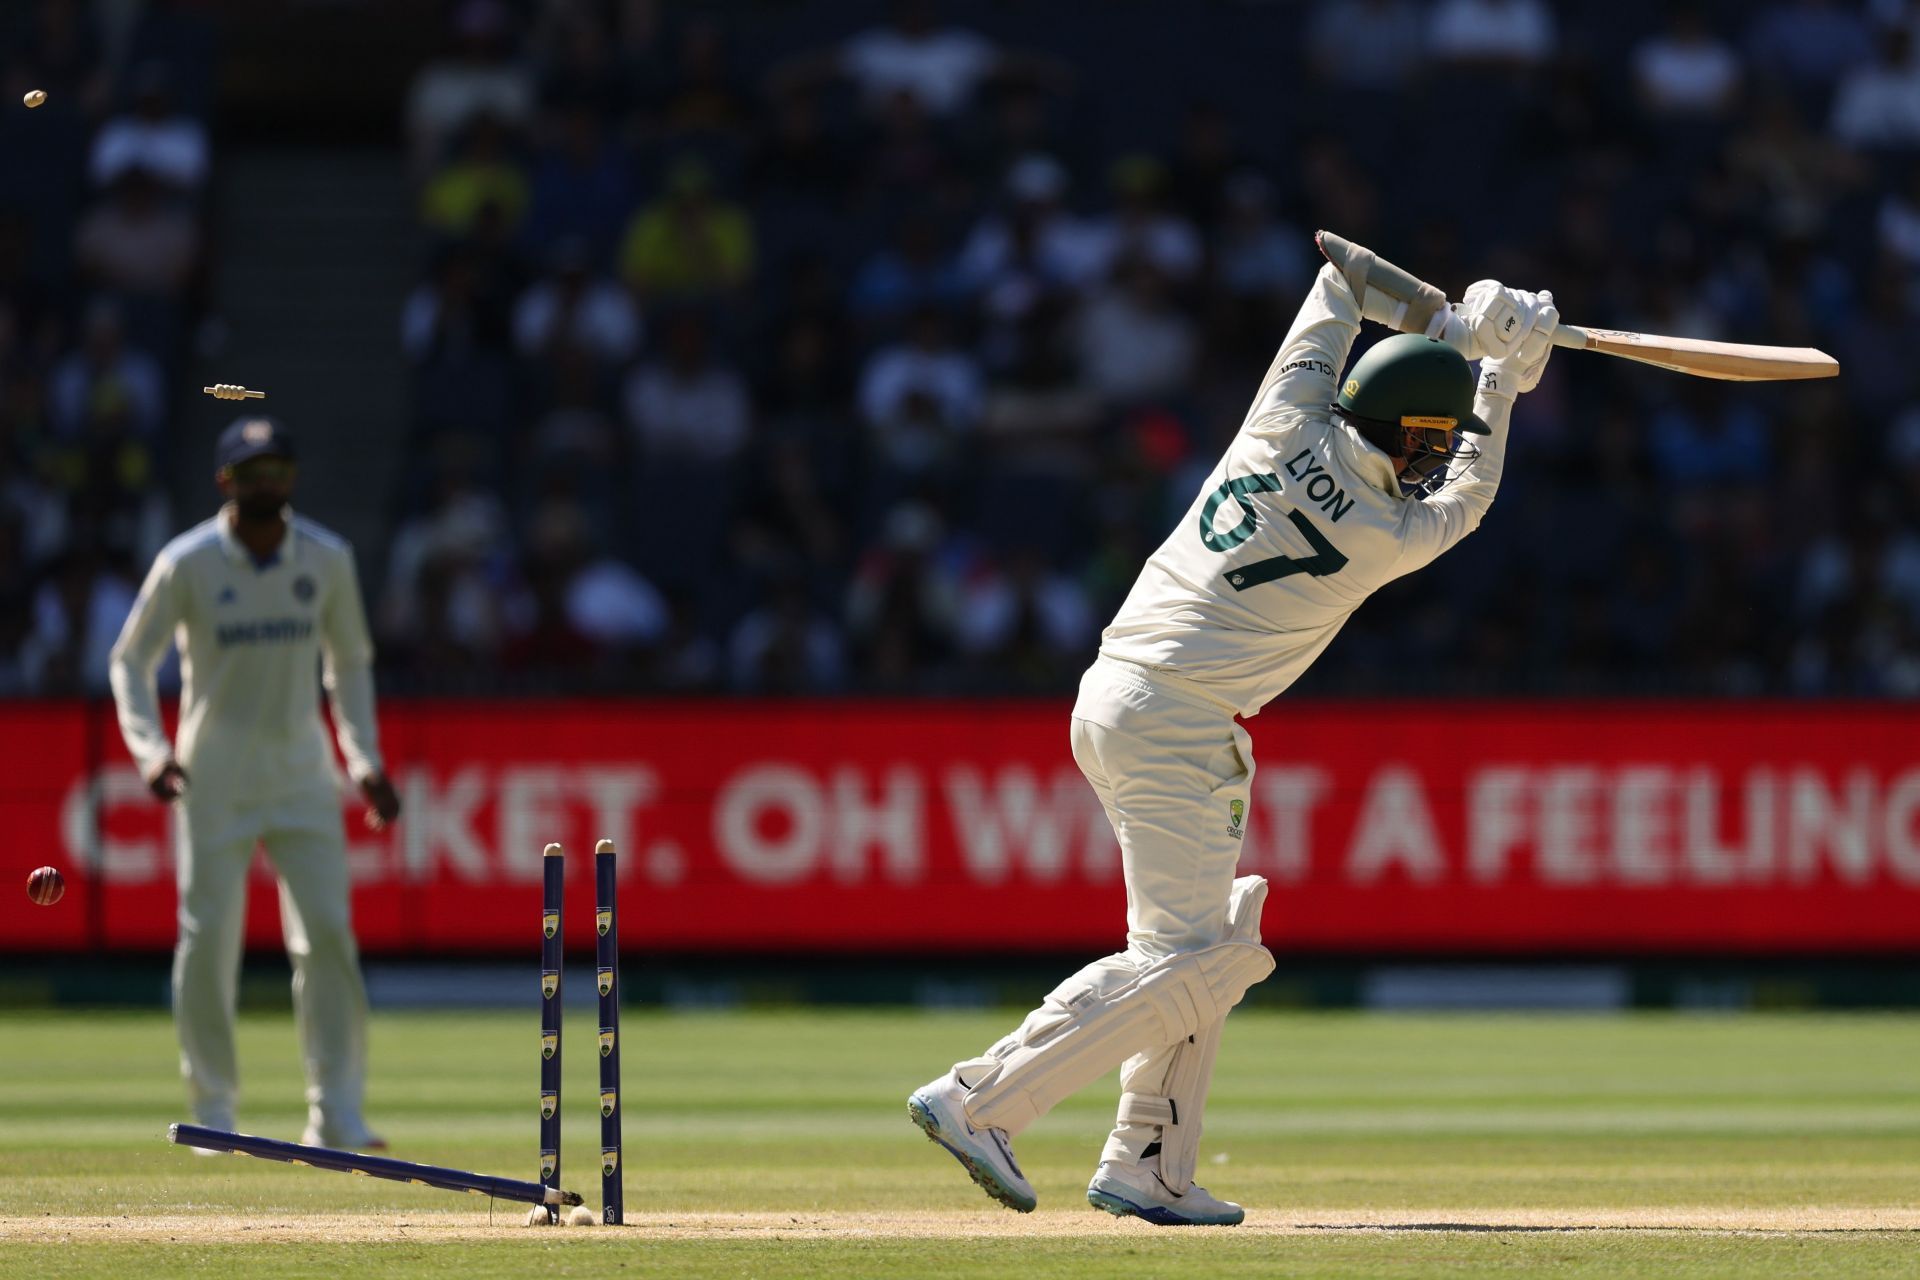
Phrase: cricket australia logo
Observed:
(603, 920)
(549, 1104)
(550, 922)
(609, 1100)
(606, 982)
(609, 1161)
(606, 1042)
(549, 1161)
(1236, 817)
(549, 982)
(549, 1043)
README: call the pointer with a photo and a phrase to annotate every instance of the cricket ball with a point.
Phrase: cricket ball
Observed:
(35, 97)
(46, 885)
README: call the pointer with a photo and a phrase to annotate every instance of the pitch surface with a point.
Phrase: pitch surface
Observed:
(775, 1144)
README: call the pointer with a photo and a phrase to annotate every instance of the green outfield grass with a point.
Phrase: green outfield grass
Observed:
(775, 1143)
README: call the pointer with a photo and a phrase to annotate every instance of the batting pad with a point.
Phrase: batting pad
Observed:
(1098, 1018)
(1164, 1090)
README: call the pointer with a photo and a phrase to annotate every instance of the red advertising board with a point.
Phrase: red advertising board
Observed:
(964, 827)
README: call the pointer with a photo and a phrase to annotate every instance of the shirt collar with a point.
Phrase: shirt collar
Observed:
(1369, 463)
(236, 550)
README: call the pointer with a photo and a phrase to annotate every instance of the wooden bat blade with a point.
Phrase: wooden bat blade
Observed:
(1727, 361)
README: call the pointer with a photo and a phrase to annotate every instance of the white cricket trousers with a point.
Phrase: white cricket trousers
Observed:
(214, 846)
(1174, 772)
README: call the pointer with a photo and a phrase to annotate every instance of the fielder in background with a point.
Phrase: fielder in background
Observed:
(1334, 485)
(258, 599)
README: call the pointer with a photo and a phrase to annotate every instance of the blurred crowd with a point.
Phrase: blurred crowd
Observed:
(103, 227)
(880, 360)
(872, 347)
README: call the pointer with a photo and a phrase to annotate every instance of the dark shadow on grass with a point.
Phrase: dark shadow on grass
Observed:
(1572, 1228)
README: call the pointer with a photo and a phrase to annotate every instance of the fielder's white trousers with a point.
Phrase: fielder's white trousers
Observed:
(214, 845)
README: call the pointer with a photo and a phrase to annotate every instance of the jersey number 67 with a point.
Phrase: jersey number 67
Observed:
(1326, 559)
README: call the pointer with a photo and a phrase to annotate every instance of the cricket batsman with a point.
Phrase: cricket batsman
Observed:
(1335, 484)
(259, 599)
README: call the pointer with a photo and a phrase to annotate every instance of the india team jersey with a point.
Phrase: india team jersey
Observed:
(1300, 522)
(252, 637)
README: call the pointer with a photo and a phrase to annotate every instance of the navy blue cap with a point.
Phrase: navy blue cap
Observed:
(251, 437)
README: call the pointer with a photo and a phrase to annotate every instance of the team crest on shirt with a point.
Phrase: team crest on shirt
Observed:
(1236, 817)
(303, 588)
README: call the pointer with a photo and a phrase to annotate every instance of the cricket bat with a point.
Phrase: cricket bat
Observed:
(1727, 361)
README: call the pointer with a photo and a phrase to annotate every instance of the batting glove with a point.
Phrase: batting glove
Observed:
(1519, 371)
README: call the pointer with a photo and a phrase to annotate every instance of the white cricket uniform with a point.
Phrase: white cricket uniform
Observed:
(1299, 523)
(251, 637)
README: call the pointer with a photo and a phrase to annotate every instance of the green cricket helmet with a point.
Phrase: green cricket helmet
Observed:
(1411, 397)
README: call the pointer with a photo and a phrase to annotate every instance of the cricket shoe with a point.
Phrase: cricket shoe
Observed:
(940, 1109)
(221, 1120)
(1131, 1190)
(360, 1139)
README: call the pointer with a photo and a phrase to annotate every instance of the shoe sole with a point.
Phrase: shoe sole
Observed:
(982, 1174)
(1159, 1216)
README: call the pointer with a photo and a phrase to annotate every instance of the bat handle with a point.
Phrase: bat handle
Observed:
(1364, 269)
